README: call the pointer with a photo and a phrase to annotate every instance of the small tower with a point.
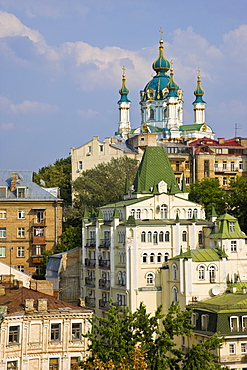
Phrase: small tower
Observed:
(172, 102)
(124, 109)
(199, 103)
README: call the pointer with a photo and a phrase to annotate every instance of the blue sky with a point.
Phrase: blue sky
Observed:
(61, 65)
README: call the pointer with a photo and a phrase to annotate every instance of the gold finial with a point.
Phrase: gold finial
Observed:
(199, 71)
(123, 69)
(160, 31)
(171, 63)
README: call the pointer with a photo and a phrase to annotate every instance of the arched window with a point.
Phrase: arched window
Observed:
(159, 256)
(124, 278)
(189, 213)
(196, 213)
(149, 237)
(138, 214)
(175, 294)
(166, 256)
(161, 237)
(184, 236)
(132, 212)
(151, 113)
(144, 257)
(201, 272)
(163, 211)
(174, 272)
(150, 278)
(167, 236)
(120, 278)
(143, 237)
(212, 274)
(151, 257)
(200, 239)
(155, 237)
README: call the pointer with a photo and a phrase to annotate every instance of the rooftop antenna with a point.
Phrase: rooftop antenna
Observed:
(236, 129)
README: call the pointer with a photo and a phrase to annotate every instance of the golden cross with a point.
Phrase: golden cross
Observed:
(171, 63)
(160, 31)
(198, 71)
(124, 69)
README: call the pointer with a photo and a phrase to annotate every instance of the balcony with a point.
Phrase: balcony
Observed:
(104, 304)
(90, 243)
(105, 243)
(90, 262)
(105, 264)
(118, 305)
(90, 282)
(121, 283)
(104, 284)
(37, 254)
(90, 302)
(38, 235)
(38, 222)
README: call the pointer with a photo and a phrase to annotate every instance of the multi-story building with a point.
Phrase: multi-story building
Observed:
(40, 332)
(30, 220)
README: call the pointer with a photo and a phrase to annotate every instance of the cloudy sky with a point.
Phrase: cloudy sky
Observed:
(61, 70)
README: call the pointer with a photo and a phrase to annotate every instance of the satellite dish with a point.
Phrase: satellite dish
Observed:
(216, 290)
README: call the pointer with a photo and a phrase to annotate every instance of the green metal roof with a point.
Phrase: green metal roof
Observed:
(155, 167)
(128, 202)
(192, 127)
(202, 255)
(222, 229)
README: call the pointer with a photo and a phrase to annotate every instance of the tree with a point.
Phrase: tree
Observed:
(103, 184)
(238, 201)
(208, 192)
(69, 239)
(57, 175)
(117, 335)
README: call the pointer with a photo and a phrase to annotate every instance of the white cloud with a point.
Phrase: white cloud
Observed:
(7, 126)
(88, 113)
(33, 107)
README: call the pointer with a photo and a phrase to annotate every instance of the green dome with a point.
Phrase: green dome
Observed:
(199, 92)
(172, 85)
(161, 64)
(124, 90)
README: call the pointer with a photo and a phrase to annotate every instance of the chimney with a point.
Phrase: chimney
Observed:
(221, 140)
(81, 303)
(29, 305)
(42, 304)
(13, 182)
(2, 290)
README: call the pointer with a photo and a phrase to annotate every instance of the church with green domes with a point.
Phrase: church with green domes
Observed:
(161, 103)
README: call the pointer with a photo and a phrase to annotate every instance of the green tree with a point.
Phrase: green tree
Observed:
(103, 184)
(238, 201)
(208, 192)
(69, 239)
(57, 175)
(116, 336)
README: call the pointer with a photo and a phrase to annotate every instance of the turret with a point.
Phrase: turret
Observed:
(124, 109)
(199, 103)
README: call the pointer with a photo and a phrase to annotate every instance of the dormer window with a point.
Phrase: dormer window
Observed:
(232, 227)
(21, 193)
(3, 192)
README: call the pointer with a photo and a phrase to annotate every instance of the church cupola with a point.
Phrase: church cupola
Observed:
(161, 65)
(199, 103)
(124, 109)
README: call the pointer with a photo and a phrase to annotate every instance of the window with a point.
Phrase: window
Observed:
(206, 168)
(21, 268)
(74, 361)
(187, 165)
(143, 237)
(80, 166)
(14, 334)
(21, 232)
(89, 149)
(55, 332)
(12, 365)
(155, 237)
(175, 293)
(2, 251)
(163, 211)
(200, 237)
(241, 165)
(39, 216)
(177, 166)
(38, 231)
(243, 347)
(201, 273)
(224, 181)
(167, 236)
(152, 257)
(244, 323)
(232, 349)
(234, 323)
(184, 236)
(21, 192)
(38, 250)
(232, 227)
(53, 364)
(138, 214)
(150, 278)
(166, 256)
(76, 331)
(174, 271)
(144, 257)
(121, 300)
(187, 180)
(2, 192)
(101, 148)
(21, 214)
(189, 213)
(193, 319)
(224, 165)
(149, 237)
(204, 322)
(219, 151)
(151, 113)
(159, 256)
(195, 212)
(2, 232)
(216, 164)
(20, 251)
(3, 214)
(233, 245)
(212, 274)
(232, 166)
(161, 237)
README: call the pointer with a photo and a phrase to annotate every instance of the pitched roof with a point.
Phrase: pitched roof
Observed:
(222, 230)
(14, 300)
(154, 168)
(202, 255)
